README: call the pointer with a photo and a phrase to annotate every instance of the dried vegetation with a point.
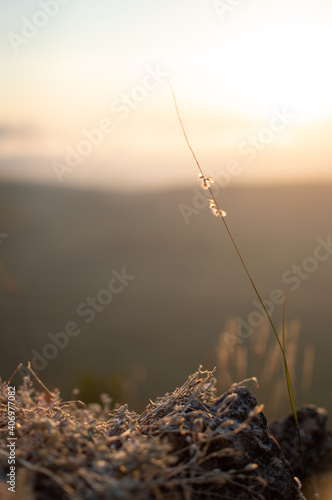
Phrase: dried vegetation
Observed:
(66, 450)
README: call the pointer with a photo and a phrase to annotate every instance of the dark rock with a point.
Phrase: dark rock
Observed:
(228, 438)
(317, 441)
(258, 446)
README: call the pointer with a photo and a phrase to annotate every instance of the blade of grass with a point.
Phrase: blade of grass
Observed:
(221, 213)
(292, 399)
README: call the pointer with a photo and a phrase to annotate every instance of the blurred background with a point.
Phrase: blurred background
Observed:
(96, 181)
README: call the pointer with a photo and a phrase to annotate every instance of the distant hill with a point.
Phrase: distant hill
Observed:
(64, 245)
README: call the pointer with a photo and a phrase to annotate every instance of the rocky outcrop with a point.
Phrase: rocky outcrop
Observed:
(258, 446)
(317, 444)
(187, 445)
(229, 449)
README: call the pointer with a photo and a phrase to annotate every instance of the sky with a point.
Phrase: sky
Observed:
(85, 98)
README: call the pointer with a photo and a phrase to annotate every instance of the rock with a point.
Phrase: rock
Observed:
(230, 450)
(259, 446)
(187, 445)
(317, 442)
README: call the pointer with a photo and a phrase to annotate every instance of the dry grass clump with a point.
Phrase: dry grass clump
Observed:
(65, 450)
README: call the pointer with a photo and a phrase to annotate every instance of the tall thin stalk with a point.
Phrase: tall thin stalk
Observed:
(291, 397)
(207, 181)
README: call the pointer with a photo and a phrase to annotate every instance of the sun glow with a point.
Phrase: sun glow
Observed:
(282, 64)
(286, 65)
(230, 74)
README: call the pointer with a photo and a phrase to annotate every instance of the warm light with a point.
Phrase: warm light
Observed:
(283, 64)
(233, 75)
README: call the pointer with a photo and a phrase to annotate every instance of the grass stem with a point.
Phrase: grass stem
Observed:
(214, 204)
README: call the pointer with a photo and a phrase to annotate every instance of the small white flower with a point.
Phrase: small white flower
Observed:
(215, 209)
(207, 181)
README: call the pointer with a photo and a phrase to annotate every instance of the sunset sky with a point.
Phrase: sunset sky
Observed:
(85, 98)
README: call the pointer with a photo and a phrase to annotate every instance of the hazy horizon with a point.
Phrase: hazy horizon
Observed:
(60, 245)
(192, 185)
